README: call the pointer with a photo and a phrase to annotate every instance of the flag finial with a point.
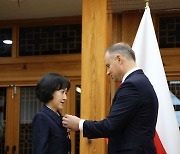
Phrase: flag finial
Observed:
(147, 3)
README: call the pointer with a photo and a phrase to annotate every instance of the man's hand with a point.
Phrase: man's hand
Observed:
(71, 122)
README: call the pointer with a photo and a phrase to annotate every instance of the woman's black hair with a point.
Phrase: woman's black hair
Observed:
(48, 84)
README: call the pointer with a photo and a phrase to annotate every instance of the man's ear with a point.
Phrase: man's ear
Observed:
(118, 57)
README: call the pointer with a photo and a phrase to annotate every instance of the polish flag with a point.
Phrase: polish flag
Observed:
(167, 138)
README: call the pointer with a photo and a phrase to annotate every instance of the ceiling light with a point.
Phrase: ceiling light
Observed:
(78, 89)
(7, 41)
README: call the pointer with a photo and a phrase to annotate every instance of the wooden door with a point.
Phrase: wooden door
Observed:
(3, 148)
(73, 107)
(19, 105)
(9, 102)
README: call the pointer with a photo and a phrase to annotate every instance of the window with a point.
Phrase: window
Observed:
(169, 32)
(5, 47)
(49, 40)
(174, 87)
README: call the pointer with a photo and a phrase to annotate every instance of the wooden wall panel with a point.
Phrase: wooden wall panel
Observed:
(9, 118)
(31, 69)
(116, 28)
(130, 24)
(171, 62)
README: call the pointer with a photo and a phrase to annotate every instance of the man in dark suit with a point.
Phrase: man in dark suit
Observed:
(130, 125)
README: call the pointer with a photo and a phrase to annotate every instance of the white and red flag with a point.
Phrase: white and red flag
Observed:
(149, 59)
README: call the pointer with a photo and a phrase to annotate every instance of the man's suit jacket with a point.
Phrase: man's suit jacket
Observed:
(48, 134)
(130, 125)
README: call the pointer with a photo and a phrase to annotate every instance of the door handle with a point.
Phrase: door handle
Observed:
(13, 149)
(7, 149)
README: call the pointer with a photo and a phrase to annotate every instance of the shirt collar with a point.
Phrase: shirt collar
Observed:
(52, 110)
(129, 72)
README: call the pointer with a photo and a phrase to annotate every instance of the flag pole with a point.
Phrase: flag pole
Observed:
(147, 3)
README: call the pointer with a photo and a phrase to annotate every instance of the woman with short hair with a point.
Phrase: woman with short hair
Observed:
(48, 134)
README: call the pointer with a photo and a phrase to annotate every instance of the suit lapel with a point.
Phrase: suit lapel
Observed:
(139, 71)
(57, 118)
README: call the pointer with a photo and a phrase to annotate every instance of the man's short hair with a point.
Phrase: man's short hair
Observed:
(123, 49)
